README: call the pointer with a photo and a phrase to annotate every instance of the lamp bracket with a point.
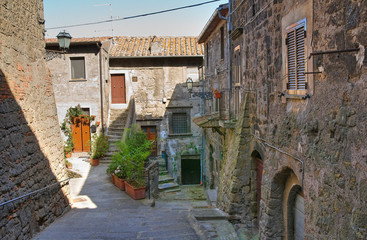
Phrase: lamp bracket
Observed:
(203, 95)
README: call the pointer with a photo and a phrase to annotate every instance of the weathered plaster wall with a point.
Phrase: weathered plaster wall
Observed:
(153, 84)
(31, 152)
(86, 93)
(326, 131)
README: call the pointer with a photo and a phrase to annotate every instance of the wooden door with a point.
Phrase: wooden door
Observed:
(76, 129)
(86, 134)
(299, 217)
(118, 93)
(81, 134)
(259, 175)
(151, 132)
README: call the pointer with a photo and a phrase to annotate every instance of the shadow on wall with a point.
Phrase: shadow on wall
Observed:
(24, 169)
(182, 145)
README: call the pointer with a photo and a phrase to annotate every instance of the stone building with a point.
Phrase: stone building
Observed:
(154, 71)
(31, 156)
(214, 39)
(80, 77)
(294, 159)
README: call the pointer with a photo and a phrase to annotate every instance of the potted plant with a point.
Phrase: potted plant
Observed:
(68, 164)
(99, 147)
(119, 178)
(134, 151)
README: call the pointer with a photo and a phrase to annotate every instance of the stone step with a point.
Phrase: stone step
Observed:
(207, 214)
(173, 190)
(168, 186)
(115, 129)
(115, 134)
(163, 172)
(113, 137)
(165, 179)
(117, 125)
(110, 154)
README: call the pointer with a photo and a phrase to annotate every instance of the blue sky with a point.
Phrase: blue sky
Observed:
(186, 22)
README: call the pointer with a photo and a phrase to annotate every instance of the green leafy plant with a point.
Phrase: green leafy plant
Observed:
(99, 145)
(134, 150)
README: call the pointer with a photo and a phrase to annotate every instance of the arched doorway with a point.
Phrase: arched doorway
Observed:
(287, 207)
(259, 168)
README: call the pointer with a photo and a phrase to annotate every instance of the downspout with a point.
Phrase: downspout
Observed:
(229, 30)
(101, 84)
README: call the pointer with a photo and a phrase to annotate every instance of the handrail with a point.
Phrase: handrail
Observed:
(31, 193)
(284, 152)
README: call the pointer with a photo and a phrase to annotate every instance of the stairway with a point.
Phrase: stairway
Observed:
(166, 182)
(114, 133)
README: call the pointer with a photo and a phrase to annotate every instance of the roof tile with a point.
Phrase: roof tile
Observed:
(168, 46)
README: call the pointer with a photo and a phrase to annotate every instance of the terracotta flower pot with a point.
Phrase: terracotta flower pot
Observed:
(68, 155)
(120, 183)
(94, 162)
(135, 193)
(113, 178)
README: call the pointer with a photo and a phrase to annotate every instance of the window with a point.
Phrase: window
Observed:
(237, 79)
(296, 64)
(179, 123)
(77, 68)
(222, 43)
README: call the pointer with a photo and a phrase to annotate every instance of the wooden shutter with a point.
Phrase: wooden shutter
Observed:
(296, 56)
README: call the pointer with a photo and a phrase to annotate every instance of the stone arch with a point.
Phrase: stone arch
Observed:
(277, 216)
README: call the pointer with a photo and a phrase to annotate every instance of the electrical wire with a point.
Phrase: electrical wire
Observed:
(136, 16)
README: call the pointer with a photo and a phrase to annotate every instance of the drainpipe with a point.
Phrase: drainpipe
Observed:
(101, 83)
(229, 30)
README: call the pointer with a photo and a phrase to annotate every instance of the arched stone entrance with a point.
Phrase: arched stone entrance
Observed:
(283, 217)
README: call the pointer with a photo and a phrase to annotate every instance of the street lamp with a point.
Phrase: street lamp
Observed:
(189, 84)
(190, 87)
(64, 39)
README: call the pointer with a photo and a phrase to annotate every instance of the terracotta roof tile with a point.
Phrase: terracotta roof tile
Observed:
(80, 40)
(163, 46)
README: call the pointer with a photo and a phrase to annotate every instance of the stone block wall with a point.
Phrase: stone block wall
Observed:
(31, 152)
(327, 131)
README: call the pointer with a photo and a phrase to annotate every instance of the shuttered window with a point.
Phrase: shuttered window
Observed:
(77, 68)
(296, 56)
(179, 123)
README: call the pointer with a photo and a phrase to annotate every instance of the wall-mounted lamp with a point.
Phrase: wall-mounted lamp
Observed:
(189, 84)
(64, 39)
(190, 87)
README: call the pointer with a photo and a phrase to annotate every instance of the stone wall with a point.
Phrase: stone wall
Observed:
(327, 131)
(31, 152)
(216, 78)
(151, 176)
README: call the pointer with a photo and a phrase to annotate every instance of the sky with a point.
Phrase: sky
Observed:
(185, 22)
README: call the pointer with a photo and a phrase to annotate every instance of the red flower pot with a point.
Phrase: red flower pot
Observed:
(68, 155)
(94, 162)
(113, 178)
(120, 183)
(135, 193)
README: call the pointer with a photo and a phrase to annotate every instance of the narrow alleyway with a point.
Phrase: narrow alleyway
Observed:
(102, 211)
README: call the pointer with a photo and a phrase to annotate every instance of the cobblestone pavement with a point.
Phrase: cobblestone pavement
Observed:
(102, 211)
